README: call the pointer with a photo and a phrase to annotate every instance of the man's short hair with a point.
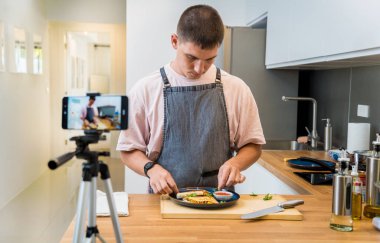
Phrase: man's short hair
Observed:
(92, 97)
(202, 25)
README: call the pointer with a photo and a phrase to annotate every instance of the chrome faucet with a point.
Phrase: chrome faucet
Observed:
(314, 135)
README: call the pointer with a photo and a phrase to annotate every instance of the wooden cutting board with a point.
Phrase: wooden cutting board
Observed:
(246, 204)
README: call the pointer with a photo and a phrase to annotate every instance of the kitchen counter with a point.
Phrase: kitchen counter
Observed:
(145, 223)
(274, 162)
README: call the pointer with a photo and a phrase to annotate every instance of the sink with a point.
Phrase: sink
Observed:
(285, 145)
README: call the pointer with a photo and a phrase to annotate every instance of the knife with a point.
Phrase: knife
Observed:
(279, 208)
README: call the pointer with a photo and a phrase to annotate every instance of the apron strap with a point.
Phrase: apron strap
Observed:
(218, 78)
(90, 114)
(164, 77)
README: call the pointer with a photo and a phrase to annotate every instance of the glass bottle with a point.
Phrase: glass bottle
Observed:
(356, 193)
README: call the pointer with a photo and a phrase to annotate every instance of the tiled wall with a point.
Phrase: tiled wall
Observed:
(338, 93)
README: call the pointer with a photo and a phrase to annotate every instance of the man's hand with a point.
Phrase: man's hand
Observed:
(303, 139)
(161, 180)
(229, 175)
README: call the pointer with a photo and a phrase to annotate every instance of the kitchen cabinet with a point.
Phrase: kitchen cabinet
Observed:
(314, 32)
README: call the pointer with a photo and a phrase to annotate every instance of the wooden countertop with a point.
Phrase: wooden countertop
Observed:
(274, 161)
(146, 225)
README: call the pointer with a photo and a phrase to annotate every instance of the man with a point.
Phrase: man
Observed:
(89, 114)
(187, 119)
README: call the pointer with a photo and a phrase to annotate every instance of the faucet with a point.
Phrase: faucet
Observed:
(314, 135)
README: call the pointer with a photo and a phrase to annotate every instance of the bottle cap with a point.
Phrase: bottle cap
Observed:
(354, 171)
(377, 141)
(343, 156)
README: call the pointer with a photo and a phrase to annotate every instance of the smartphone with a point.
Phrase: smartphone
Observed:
(108, 112)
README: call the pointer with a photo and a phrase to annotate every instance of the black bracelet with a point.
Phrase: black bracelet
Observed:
(149, 165)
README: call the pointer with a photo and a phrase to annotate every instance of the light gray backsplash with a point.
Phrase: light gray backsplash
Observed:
(338, 93)
(365, 90)
(278, 118)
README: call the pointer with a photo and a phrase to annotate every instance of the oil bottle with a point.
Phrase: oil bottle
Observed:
(341, 217)
(372, 208)
(356, 193)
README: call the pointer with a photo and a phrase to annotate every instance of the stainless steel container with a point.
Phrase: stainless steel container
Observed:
(328, 135)
(373, 176)
(342, 195)
(341, 216)
(372, 207)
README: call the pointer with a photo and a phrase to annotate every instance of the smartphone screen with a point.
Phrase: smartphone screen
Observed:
(95, 112)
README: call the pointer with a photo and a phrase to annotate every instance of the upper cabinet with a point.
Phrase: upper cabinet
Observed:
(322, 33)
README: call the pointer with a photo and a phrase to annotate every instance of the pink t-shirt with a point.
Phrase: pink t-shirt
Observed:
(146, 111)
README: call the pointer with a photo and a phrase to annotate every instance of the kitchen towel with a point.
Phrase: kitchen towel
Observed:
(358, 136)
(121, 203)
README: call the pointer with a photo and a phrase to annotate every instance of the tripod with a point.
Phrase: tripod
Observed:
(87, 190)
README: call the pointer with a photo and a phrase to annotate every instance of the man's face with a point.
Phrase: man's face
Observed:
(192, 61)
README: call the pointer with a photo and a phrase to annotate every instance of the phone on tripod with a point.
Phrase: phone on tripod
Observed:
(93, 114)
(102, 113)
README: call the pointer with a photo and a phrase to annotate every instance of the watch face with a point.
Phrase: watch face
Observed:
(147, 167)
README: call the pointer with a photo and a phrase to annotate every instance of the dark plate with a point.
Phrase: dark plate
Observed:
(306, 164)
(222, 204)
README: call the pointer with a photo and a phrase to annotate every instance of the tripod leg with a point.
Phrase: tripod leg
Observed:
(105, 175)
(92, 228)
(81, 212)
(101, 239)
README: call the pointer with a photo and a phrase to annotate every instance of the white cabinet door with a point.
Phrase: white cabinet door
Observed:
(300, 32)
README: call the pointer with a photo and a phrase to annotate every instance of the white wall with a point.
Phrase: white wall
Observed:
(25, 124)
(94, 11)
(24, 105)
(150, 25)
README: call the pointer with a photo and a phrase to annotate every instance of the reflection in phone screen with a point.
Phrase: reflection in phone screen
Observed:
(99, 113)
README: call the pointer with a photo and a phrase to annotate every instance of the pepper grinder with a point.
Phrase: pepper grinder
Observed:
(341, 217)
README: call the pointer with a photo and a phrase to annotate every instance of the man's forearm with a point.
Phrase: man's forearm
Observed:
(247, 155)
(135, 160)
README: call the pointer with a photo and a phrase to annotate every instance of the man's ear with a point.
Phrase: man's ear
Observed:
(174, 40)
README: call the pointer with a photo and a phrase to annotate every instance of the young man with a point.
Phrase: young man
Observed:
(89, 114)
(187, 119)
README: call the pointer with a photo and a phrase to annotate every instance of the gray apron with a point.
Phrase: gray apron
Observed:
(196, 133)
(90, 114)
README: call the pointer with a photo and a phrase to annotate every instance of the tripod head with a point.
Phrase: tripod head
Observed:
(82, 151)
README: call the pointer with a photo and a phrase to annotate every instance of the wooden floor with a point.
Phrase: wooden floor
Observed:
(105, 228)
(43, 211)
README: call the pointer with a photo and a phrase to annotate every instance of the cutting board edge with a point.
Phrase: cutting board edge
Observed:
(235, 217)
(192, 216)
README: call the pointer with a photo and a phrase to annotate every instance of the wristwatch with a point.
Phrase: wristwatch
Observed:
(148, 166)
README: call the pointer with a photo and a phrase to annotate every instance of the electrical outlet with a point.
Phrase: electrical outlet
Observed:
(363, 111)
